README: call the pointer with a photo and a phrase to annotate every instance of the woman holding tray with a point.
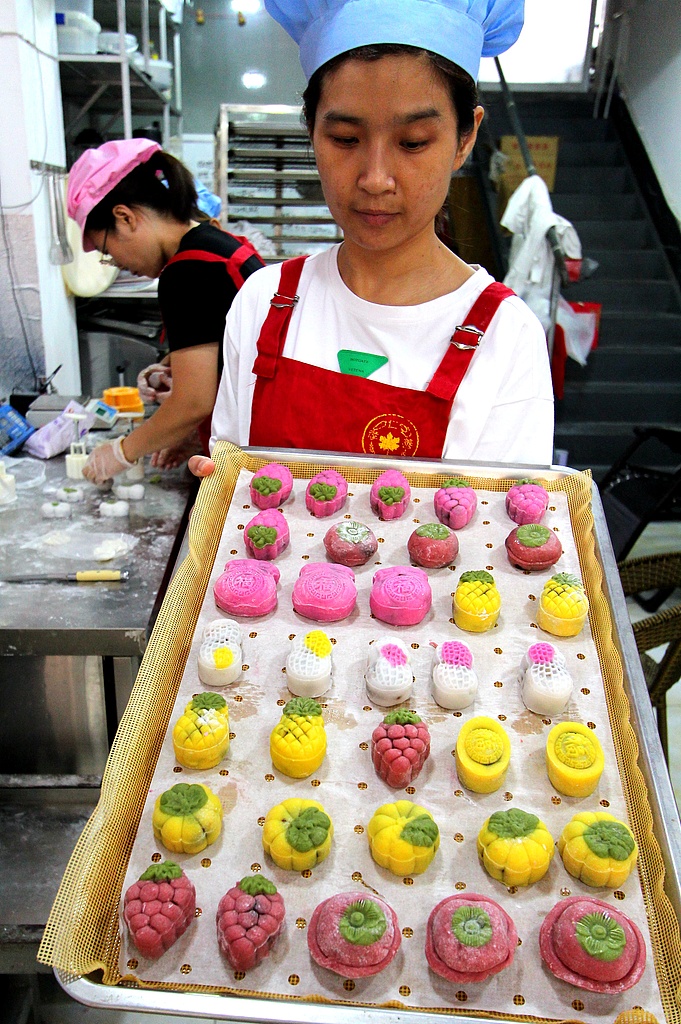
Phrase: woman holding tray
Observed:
(388, 343)
(138, 205)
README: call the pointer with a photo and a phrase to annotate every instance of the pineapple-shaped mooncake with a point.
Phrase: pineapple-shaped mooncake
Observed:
(201, 733)
(298, 741)
(477, 601)
(563, 605)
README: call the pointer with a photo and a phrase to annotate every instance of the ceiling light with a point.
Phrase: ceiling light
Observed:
(245, 6)
(253, 80)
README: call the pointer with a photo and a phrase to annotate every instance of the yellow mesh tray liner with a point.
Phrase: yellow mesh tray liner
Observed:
(82, 933)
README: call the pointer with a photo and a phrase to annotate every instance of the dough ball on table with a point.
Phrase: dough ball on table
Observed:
(129, 492)
(113, 509)
(55, 510)
(70, 494)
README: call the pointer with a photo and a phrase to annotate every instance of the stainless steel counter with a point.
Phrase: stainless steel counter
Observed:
(94, 618)
(69, 653)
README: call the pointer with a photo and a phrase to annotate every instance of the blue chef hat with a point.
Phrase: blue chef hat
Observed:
(460, 30)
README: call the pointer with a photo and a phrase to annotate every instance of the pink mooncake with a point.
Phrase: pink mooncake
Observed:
(158, 908)
(266, 535)
(324, 593)
(326, 493)
(533, 547)
(354, 934)
(400, 595)
(589, 944)
(350, 543)
(247, 588)
(400, 746)
(469, 937)
(455, 503)
(390, 495)
(526, 502)
(433, 545)
(249, 920)
(271, 486)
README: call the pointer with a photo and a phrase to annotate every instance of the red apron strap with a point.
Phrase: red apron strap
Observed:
(233, 263)
(465, 340)
(275, 328)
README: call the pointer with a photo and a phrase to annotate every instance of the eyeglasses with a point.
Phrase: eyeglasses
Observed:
(104, 258)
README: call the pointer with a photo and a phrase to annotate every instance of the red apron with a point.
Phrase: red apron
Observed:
(233, 265)
(297, 405)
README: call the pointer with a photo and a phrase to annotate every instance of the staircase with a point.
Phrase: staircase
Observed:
(634, 376)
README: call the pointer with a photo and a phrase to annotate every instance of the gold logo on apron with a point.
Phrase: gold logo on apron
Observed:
(390, 433)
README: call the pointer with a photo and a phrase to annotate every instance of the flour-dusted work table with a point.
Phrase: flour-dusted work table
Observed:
(69, 653)
(83, 932)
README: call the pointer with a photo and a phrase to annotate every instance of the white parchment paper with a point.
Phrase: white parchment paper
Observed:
(350, 791)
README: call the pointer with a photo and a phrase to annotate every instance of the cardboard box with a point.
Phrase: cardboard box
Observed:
(544, 152)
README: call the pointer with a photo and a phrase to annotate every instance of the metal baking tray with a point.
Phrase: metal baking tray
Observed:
(667, 825)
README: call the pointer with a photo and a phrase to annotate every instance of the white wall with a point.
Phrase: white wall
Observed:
(31, 128)
(650, 81)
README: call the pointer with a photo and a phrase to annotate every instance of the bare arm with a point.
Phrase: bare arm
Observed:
(195, 385)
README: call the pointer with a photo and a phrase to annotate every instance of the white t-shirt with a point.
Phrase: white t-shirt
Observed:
(503, 410)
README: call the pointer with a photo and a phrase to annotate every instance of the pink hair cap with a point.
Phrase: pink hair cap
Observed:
(99, 170)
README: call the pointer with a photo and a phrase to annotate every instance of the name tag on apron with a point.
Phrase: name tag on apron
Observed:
(359, 364)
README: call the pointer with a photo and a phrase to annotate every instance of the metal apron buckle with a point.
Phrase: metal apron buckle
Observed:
(288, 303)
(468, 330)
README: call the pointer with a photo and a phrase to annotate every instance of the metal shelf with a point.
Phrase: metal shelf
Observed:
(94, 80)
(263, 160)
(110, 84)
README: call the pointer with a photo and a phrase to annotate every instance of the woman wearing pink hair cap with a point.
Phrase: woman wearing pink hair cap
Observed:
(388, 343)
(138, 206)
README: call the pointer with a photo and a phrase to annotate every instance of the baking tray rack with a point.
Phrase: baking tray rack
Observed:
(82, 939)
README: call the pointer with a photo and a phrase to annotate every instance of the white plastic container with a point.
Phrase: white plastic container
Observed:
(86, 7)
(160, 71)
(76, 32)
(109, 42)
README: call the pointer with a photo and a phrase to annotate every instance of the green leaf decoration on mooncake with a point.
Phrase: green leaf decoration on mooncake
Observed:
(256, 884)
(309, 830)
(323, 492)
(601, 937)
(456, 481)
(183, 799)
(567, 579)
(420, 831)
(208, 702)
(609, 839)
(362, 923)
(391, 495)
(306, 707)
(471, 926)
(533, 535)
(476, 576)
(401, 717)
(262, 536)
(164, 872)
(353, 532)
(434, 531)
(513, 824)
(266, 485)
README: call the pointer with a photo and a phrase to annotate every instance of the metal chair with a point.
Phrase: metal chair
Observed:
(650, 573)
(636, 492)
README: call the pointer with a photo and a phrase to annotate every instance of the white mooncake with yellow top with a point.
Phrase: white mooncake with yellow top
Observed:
(308, 666)
(220, 656)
